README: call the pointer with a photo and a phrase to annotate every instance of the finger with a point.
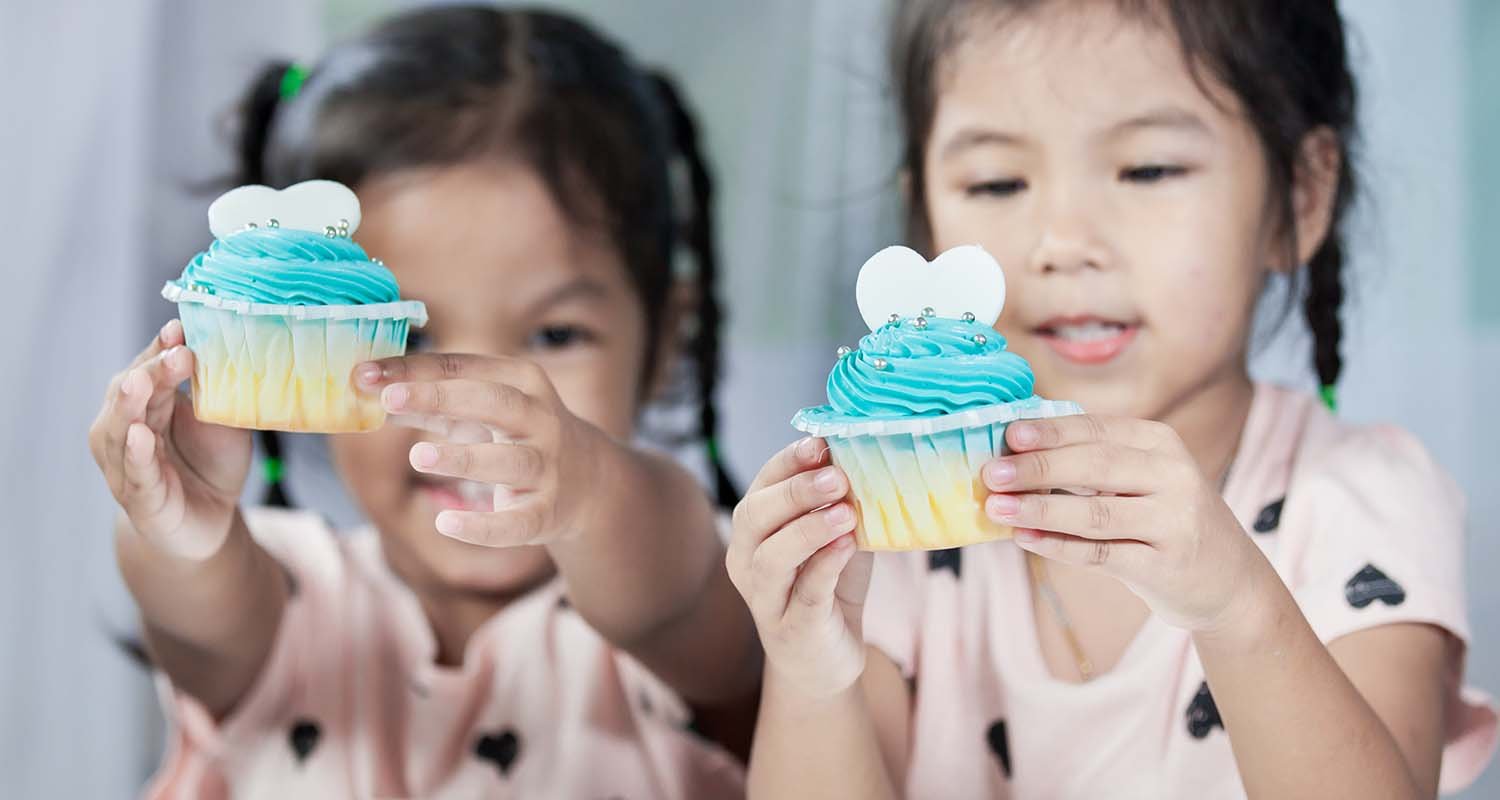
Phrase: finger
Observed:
(126, 405)
(799, 456)
(765, 511)
(497, 404)
(516, 466)
(1122, 557)
(166, 372)
(1046, 434)
(512, 527)
(813, 595)
(143, 489)
(1097, 517)
(1099, 466)
(427, 367)
(168, 337)
(774, 565)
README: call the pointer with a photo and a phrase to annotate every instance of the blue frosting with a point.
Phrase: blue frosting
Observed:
(290, 267)
(937, 369)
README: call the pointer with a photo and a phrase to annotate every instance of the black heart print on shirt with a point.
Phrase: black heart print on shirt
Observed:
(1269, 517)
(1203, 713)
(303, 738)
(1369, 585)
(499, 749)
(951, 559)
(999, 744)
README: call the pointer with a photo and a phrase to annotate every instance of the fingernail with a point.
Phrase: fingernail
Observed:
(395, 397)
(999, 473)
(449, 524)
(173, 357)
(133, 379)
(1023, 435)
(165, 329)
(838, 516)
(367, 374)
(806, 450)
(424, 454)
(827, 479)
(1002, 506)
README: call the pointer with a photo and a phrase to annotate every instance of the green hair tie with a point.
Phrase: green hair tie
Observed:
(1330, 395)
(712, 444)
(292, 80)
(273, 470)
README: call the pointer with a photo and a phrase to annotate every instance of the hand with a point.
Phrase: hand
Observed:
(792, 558)
(178, 480)
(514, 433)
(1155, 522)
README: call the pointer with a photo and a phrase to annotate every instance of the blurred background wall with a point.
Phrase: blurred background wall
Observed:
(109, 117)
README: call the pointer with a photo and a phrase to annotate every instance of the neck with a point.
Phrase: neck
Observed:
(454, 618)
(1210, 420)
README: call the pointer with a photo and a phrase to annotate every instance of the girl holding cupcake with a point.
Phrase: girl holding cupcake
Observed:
(1212, 587)
(537, 608)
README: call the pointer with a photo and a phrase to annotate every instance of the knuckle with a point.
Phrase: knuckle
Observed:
(1041, 466)
(1099, 514)
(461, 459)
(449, 365)
(1095, 427)
(1098, 553)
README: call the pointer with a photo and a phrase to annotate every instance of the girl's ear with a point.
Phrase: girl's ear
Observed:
(1314, 192)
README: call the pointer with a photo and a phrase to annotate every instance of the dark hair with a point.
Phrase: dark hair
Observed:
(1285, 61)
(451, 85)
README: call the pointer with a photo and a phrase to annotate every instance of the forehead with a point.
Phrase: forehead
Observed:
(479, 229)
(1077, 66)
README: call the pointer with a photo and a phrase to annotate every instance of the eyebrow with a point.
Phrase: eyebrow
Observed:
(968, 138)
(582, 287)
(1170, 117)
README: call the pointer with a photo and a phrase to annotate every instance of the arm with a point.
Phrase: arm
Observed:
(210, 598)
(1296, 720)
(850, 744)
(1364, 714)
(632, 534)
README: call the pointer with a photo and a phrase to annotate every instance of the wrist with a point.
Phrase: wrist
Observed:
(797, 699)
(1253, 614)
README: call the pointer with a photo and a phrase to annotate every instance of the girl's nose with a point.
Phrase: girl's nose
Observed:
(1067, 242)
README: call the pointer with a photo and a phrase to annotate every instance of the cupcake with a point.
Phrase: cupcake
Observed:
(282, 306)
(922, 404)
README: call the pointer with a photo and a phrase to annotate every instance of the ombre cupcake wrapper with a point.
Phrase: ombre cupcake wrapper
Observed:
(293, 372)
(410, 310)
(917, 487)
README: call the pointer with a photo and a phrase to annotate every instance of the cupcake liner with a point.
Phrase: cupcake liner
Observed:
(288, 367)
(915, 481)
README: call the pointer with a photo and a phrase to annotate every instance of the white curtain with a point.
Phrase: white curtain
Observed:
(106, 117)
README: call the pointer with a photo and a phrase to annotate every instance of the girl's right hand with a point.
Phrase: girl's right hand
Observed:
(793, 559)
(178, 480)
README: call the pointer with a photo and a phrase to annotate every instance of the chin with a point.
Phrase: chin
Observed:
(465, 567)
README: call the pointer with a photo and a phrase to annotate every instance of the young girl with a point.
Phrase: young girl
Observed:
(517, 174)
(1254, 598)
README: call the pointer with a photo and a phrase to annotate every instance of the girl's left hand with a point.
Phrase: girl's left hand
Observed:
(1156, 522)
(506, 427)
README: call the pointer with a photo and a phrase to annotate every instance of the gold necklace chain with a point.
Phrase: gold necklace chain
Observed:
(1043, 580)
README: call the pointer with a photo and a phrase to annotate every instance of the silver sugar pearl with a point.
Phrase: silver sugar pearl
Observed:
(881, 363)
(928, 312)
(843, 351)
(252, 225)
(330, 231)
(893, 319)
(920, 323)
(968, 316)
(273, 223)
(377, 261)
(980, 339)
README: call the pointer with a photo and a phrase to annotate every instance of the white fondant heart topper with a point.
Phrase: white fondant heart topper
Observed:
(898, 280)
(310, 206)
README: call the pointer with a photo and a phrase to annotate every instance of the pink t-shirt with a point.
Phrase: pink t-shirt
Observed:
(1359, 522)
(351, 703)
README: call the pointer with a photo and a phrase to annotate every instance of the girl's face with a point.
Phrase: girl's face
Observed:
(503, 272)
(1127, 207)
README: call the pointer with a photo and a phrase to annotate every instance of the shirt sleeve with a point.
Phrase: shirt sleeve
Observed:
(893, 607)
(1382, 542)
(306, 549)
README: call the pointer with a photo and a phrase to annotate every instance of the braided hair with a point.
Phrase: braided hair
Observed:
(450, 85)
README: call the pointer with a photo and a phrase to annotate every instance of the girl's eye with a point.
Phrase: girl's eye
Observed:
(556, 337)
(999, 188)
(1151, 173)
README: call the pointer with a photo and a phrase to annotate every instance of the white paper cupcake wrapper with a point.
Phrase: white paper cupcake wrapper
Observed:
(808, 419)
(412, 310)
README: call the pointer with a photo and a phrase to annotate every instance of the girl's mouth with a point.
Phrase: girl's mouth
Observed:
(457, 495)
(1087, 340)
